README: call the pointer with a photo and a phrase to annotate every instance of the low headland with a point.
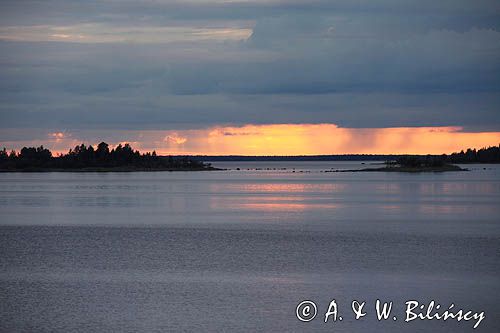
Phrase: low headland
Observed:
(122, 158)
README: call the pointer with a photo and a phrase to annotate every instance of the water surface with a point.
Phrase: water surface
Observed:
(237, 250)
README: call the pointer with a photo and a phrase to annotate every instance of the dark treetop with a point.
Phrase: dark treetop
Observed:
(83, 158)
(483, 155)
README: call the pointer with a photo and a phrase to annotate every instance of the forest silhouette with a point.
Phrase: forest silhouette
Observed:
(102, 158)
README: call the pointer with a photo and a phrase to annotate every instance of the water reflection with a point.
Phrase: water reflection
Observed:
(286, 206)
(239, 197)
(283, 187)
(272, 203)
(262, 241)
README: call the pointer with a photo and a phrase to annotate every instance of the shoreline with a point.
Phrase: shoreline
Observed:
(103, 170)
(404, 169)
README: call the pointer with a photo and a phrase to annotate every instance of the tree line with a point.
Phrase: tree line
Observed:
(86, 157)
(483, 155)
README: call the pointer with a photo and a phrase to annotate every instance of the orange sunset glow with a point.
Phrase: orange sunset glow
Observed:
(324, 139)
(280, 139)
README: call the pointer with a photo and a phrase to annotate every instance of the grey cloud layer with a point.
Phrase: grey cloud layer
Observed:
(356, 64)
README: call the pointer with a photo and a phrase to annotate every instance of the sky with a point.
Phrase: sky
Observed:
(251, 77)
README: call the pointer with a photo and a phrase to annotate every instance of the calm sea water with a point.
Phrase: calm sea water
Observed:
(237, 250)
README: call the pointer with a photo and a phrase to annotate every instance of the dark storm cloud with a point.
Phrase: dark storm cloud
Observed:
(161, 64)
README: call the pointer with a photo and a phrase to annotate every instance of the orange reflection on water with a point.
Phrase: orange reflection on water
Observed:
(293, 187)
(284, 206)
(273, 203)
(268, 196)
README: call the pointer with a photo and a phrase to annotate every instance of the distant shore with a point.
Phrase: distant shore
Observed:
(490, 155)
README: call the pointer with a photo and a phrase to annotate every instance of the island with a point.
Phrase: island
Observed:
(82, 158)
(415, 164)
